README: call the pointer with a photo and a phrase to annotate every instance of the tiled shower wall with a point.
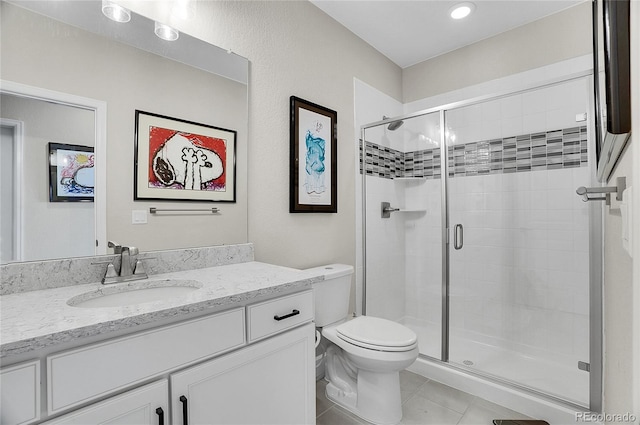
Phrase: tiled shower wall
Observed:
(521, 281)
(551, 150)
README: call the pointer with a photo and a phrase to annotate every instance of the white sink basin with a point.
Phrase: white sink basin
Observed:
(133, 293)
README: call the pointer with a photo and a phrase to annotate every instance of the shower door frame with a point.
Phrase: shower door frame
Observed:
(596, 258)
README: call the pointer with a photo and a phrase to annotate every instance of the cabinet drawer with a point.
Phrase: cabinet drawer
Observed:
(270, 317)
(20, 395)
(83, 374)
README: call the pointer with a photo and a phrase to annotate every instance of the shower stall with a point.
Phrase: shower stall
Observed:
(474, 237)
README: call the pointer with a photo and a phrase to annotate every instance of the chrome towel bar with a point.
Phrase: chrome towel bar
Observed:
(154, 210)
(621, 185)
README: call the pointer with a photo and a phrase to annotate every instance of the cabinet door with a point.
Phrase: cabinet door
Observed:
(20, 394)
(143, 406)
(270, 382)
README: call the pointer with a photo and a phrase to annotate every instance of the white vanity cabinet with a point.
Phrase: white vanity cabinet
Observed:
(146, 405)
(248, 365)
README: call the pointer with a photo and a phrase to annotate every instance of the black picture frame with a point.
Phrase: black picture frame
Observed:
(313, 158)
(71, 173)
(163, 173)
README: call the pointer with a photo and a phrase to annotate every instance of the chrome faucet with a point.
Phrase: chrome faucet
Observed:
(130, 267)
(117, 248)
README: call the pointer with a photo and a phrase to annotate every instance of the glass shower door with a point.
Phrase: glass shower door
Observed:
(403, 226)
(519, 239)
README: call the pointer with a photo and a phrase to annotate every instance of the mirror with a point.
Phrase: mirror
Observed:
(28, 210)
(69, 48)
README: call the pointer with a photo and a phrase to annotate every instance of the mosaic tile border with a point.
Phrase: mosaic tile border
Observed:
(563, 148)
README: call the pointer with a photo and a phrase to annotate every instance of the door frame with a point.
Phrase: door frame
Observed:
(100, 113)
(17, 129)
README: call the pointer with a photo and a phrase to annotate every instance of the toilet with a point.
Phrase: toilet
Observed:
(364, 355)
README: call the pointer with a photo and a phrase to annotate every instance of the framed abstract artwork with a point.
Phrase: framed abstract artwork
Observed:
(71, 173)
(313, 158)
(180, 160)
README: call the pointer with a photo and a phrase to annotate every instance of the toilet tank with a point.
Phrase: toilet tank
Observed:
(332, 294)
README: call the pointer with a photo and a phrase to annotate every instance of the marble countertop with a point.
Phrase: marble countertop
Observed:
(38, 319)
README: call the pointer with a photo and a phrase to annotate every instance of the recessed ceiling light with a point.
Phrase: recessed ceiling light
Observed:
(115, 12)
(461, 10)
(165, 32)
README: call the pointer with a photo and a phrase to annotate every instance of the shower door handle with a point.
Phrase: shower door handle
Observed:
(458, 236)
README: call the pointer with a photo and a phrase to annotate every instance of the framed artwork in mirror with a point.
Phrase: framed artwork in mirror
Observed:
(313, 163)
(71, 173)
(180, 160)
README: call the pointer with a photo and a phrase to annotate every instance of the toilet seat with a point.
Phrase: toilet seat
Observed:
(378, 334)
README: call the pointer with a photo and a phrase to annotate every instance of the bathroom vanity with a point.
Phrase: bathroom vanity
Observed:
(236, 348)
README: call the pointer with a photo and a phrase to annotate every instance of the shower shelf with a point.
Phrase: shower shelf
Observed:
(412, 210)
(408, 179)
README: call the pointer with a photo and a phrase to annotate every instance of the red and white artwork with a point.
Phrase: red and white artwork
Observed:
(186, 161)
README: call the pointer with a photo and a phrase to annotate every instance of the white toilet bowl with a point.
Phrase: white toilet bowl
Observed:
(363, 365)
(365, 355)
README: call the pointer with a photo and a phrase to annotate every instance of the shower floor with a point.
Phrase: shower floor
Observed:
(561, 380)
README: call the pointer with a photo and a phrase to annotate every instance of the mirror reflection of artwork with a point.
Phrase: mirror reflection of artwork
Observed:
(71, 173)
(186, 161)
(183, 160)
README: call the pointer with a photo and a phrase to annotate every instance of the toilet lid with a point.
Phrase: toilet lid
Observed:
(377, 334)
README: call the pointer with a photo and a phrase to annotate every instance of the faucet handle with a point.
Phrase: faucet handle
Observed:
(139, 269)
(110, 275)
(117, 248)
(111, 271)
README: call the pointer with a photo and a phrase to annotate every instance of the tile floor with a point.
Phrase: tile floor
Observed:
(424, 402)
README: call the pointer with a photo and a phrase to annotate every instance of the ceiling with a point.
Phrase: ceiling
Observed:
(409, 32)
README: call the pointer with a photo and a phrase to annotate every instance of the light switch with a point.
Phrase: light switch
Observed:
(139, 217)
(581, 117)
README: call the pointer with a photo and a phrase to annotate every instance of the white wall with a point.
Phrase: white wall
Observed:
(553, 39)
(51, 229)
(370, 105)
(294, 49)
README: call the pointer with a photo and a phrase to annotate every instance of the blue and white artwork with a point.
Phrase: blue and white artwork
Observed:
(315, 147)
